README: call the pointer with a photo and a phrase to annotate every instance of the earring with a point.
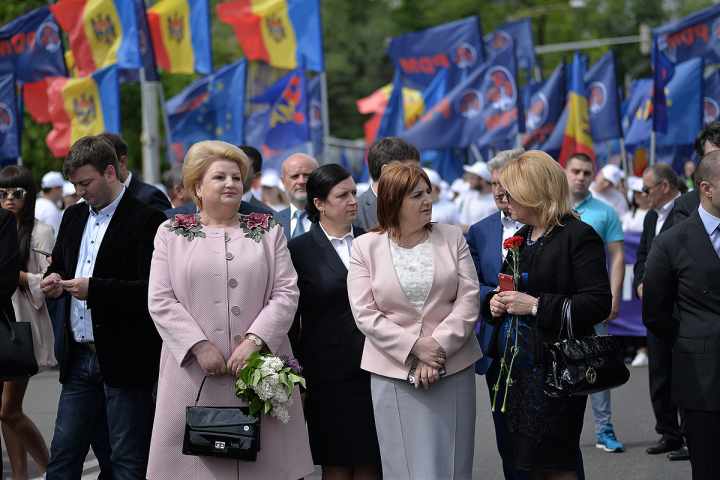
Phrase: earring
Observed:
(323, 212)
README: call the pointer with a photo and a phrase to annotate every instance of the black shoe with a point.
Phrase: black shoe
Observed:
(681, 454)
(664, 446)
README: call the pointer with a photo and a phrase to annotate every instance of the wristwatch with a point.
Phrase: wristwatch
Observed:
(255, 339)
(536, 302)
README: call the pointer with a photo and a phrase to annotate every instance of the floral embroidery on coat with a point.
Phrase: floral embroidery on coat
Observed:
(256, 224)
(188, 226)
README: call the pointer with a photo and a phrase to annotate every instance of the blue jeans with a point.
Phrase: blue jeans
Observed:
(601, 401)
(87, 405)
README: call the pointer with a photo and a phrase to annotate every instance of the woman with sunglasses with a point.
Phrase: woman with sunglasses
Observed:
(17, 194)
(560, 258)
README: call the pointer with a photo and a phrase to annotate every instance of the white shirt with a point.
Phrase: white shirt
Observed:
(341, 245)
(95, 228)
(445, 211)
(663, 213)
(615, 199)
(476, 206)
(247, 196)
(510, 228)
(633, 221)
(127, 180)
(47, 212)
(711, 223)
(293, 220)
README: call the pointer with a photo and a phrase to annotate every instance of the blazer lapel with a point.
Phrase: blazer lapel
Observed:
(75, 234)
(328, 254)
(496, 232)
(696, 240)
(122, 213)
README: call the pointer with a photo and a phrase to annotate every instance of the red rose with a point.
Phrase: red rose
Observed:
(257, 220)
(185, 221)
(512, 242)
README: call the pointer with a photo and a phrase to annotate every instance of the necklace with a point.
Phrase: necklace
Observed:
(529, 242)
(422, 239)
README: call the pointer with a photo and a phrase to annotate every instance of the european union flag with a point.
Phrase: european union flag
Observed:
(31, 47)
(227, 98)
(456, 46)
(9, 121)
(191, 118)
(603, 101)
(519, 33)
(639, 112)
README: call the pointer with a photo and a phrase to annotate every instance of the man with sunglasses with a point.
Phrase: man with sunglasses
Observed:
(660, 186)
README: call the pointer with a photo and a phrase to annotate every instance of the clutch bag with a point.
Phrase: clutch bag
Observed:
(221, 432)
(582, 365)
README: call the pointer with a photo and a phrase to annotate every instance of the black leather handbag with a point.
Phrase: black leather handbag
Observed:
(221, 432)
(17, 355)
(582, 365)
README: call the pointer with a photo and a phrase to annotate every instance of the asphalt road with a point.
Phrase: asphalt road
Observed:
(632, 419)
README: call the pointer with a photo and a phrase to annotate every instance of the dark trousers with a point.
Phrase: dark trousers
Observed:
(511, 473)
(660, 372)
(87, 405)
(703, 438)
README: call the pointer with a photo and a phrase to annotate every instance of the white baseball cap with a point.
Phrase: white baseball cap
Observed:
(613, 174)
(459, 186)
(480, 169)
(433, 176)
(269, 178)
(635, 184)
(68, 189)
(52, 179)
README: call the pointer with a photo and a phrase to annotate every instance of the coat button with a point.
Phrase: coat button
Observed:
(232, 282)
(419, 319)
(704, 289)
(227, 237)
(235, 310)
(229, 256)
(238, 338)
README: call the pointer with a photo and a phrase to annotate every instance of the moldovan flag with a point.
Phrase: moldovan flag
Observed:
(283, 33)
(82, 106)
(180, 31)
(101, 32)
(577, 132)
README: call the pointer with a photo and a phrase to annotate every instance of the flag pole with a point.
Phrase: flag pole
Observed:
(325, 114)
(652, 148)
(624, 157)
(150, 130)
(163, 111)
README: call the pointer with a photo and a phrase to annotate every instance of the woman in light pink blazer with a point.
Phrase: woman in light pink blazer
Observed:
(211, 292)
(414, 293)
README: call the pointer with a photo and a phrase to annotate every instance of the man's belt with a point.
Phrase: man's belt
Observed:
(88, 347)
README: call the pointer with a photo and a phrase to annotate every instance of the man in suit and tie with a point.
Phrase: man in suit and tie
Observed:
(660, 188)
(708, 140)
(253, 175)
(380, 153)
(111, 350)
(140, 190)
(683, 270)
(295, 173)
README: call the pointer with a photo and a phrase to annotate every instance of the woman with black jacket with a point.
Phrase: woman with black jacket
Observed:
(560, 258)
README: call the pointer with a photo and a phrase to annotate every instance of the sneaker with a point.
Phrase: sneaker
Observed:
(641, 360)
(607, 441)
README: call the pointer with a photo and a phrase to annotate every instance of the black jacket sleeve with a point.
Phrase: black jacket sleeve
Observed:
(660, 292)
(642, 251)
(9, 261)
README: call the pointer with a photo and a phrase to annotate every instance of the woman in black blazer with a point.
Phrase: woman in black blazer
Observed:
(560, 258)
(324, 336)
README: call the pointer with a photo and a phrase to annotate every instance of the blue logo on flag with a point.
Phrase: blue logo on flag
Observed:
(500, 40)
(6, 118)
(315, 113)
(49, 37)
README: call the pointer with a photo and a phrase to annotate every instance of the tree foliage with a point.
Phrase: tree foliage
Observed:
(355, 34)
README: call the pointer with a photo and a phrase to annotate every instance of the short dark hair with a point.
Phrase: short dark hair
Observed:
(93, 150)
(708, 169)
(662, 171)
(711, 133)
(320, 182)
(396, 182)
(385, 150)
(579, 156)
(120, 146)
(254, 155)
(174, 179)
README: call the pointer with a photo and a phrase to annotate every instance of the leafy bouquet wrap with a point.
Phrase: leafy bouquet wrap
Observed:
(267, 381)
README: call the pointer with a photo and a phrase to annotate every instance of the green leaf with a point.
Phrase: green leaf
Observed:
(290, 389)
(294, 378)
(302, 382)
(255, 405)
(268, 406)
(282, 376)
(256, 378)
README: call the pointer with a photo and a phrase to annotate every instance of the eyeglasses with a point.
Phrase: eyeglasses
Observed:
(17, 193)
(646, 190)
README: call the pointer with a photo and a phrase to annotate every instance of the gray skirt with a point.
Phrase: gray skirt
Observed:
(426, 434)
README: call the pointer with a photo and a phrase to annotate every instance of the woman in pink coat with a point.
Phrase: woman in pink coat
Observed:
(221, 286)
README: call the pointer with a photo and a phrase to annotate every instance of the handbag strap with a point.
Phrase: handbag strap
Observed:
(200, 390)
(569, 318)
(565, 319)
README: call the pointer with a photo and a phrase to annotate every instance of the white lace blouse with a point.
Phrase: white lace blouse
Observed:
(414, 269)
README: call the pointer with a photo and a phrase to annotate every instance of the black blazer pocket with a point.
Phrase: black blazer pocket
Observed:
(318, 339)
(689, 345)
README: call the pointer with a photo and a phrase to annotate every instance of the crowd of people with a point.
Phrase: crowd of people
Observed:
(389, 300)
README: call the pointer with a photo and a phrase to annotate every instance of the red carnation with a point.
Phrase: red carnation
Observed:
(512, 242)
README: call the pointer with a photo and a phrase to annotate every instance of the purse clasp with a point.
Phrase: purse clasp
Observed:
(220, 446)
(591, 375)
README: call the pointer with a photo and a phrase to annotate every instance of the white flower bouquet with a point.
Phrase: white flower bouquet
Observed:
(267, 381)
